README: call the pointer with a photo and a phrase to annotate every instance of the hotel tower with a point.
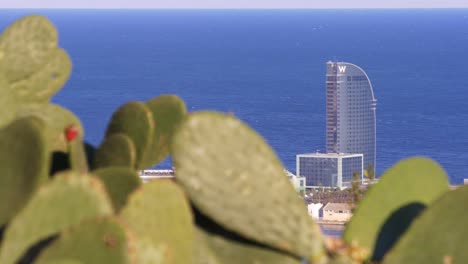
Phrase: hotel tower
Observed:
(350, 106)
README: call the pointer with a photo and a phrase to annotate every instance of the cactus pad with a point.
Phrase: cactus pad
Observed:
(32, 69)
(167, 111)
(135, 120)
(26, 46)
(102, 240)
(24, 162)
(40, 86)
(159, 213)
(203, 253)
(119, 182)
(66, 201)
(390, 206)
(216, 155)
(438, 235)
(56, 119)
(116, 150)
(234, 252)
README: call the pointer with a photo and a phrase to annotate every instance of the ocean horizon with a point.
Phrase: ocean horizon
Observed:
(267, 66)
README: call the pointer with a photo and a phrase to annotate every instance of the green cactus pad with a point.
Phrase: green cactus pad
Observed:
(66, 201)
(203, 253)
(135, 120)
(170, 221)
(7, 103)
(77, 156)
(438, 235)
(64, 261)
(216, 155)
(24, 164)
(117, 150)
(168, 111)
(234, 252)
(119, 182)
(56, 119)
(32, 69)
(26, 46)
(148, 253)
(39, 87)
(102, 240)
(389, 206)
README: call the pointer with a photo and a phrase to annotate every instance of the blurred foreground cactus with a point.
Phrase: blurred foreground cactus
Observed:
(65, 201)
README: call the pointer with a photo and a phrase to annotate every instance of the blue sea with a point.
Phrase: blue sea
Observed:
(268, 68)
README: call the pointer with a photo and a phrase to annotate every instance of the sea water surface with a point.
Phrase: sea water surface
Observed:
(268, 68)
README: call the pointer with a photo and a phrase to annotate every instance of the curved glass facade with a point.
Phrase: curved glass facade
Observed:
(351, 108)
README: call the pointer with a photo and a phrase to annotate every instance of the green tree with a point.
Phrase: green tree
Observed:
(356, 188)
(369, 172)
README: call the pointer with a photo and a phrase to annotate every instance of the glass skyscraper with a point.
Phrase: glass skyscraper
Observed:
(351, 108)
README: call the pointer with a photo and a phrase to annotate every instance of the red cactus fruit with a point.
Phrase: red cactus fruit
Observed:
(71, 132)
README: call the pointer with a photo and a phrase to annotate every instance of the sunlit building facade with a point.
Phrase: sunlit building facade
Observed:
(350, 105)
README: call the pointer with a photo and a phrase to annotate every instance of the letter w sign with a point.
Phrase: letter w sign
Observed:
(342, 69)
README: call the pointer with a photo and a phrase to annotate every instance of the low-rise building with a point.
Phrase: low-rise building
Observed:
(339, 212)
(147, 175)
(315, 210)
(329, 170)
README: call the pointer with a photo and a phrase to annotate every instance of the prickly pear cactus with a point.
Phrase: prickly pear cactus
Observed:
(390, 206)
(438, 235)
(202, 252)
(56, 118)
(32, 69)
(26, 46)
(102, 240)
(135, 120)
(24, 164)
(117, 150)
(159, 214)
(216, 155)
(119, 182)
(66, 201)
(167, 112)
(227, 251)
(149, 253)
(77, 154)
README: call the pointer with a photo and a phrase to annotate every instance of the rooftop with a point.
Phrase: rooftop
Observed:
(330, 155)
(337, 207)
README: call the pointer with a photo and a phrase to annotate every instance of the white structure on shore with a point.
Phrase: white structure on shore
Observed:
(147, 175)
(315, 210)
(329, 170)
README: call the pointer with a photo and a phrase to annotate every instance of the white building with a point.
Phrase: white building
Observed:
(315, 210)
(147, 175)
(329, 170)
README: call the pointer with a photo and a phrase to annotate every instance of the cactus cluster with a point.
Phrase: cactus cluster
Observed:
(65, 201)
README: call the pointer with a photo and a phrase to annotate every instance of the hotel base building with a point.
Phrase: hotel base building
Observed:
(329, 170)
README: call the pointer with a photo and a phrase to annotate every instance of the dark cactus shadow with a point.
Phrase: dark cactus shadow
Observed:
(209, 226)
(2, 231)
(395, 225)
(34, 251)
(60, 162)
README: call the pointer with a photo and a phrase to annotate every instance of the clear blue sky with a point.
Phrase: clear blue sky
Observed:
(233, 3)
